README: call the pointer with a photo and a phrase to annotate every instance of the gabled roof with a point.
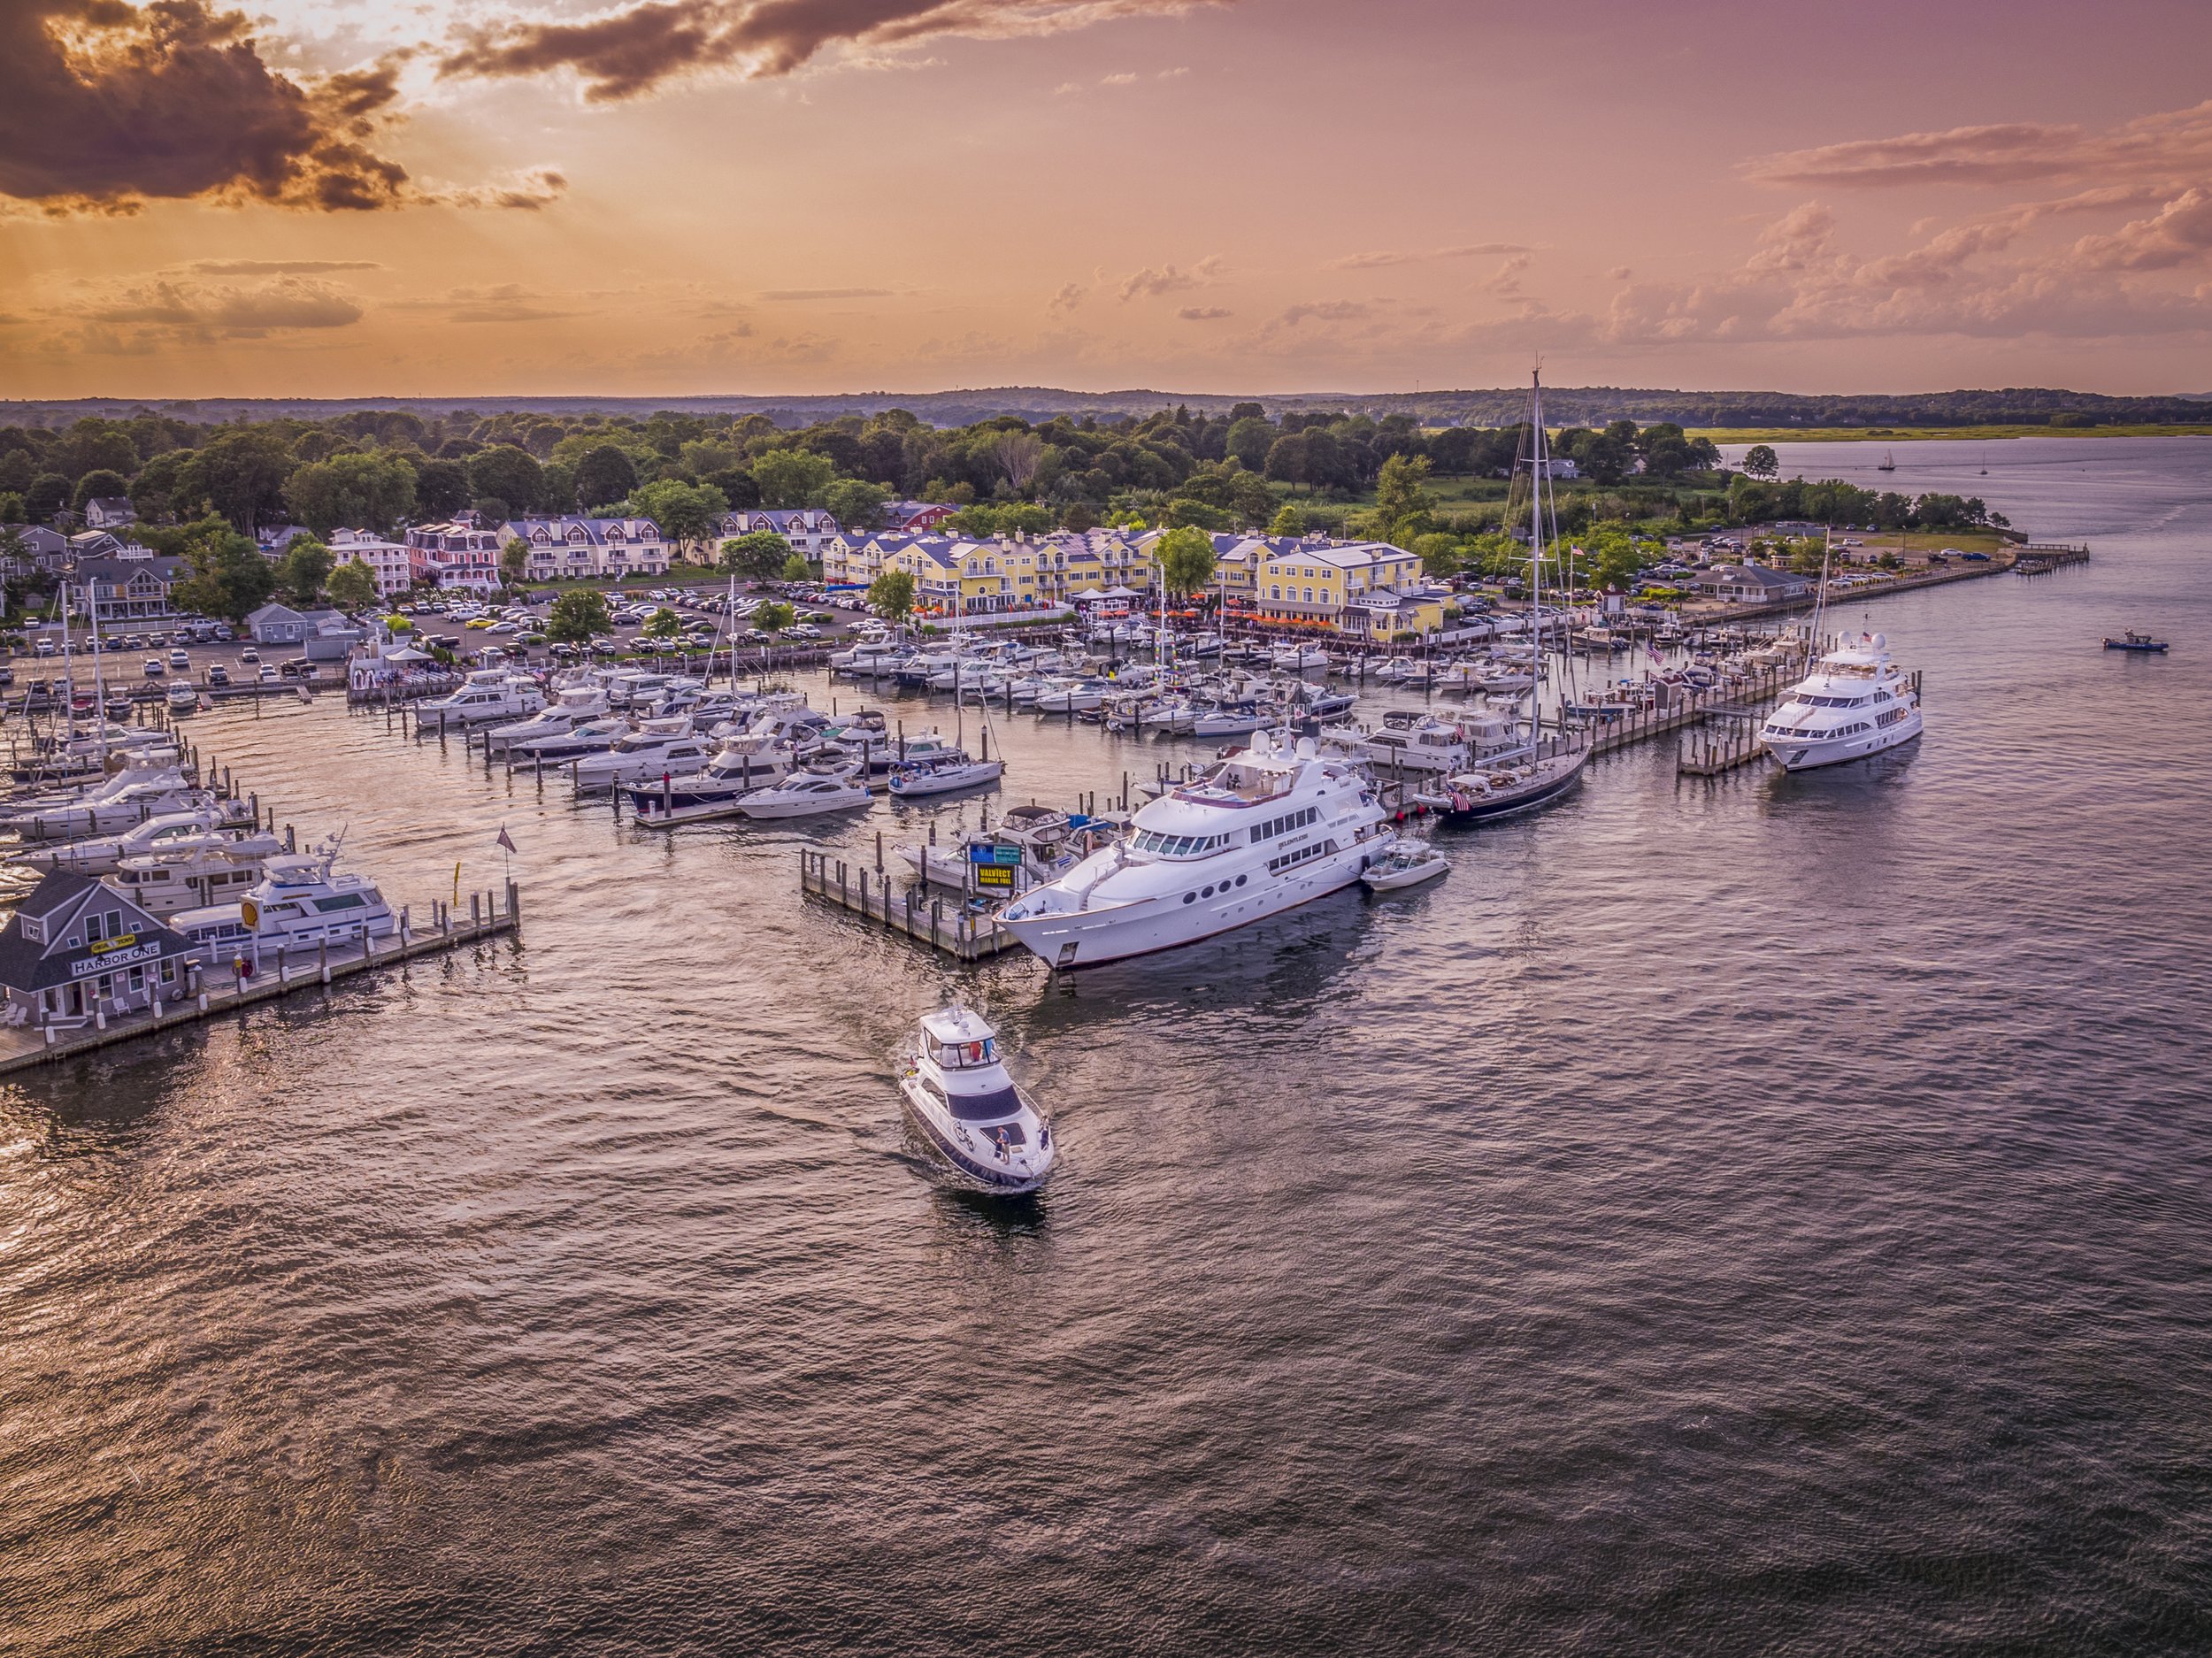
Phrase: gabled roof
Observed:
(56, 901)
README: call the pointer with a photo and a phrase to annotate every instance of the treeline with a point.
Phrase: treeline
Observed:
(1594, 406)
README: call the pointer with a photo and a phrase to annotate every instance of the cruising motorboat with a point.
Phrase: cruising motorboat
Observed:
(808, 794)
(1072, 696)
(211, 870)
(2133, 641)
(867, 659)
(1408, 741)
(586, 736)
(1856, 701)
(227, 820)
(1410, 863)
(298, 903)
(656, 749)
(1263, 831)
(957, 1092)
(569, 708)
(942, 773)
(1294, 658)
(487, 694)
(744, 764)
(126, 798)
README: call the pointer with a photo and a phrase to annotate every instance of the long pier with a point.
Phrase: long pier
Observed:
(24, 1047)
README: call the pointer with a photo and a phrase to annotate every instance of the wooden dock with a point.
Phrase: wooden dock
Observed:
(963, 934)
(216, 994)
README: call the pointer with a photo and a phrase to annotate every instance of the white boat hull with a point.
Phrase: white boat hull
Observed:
(964, 1147)
(1810, 753)
(1089, 938)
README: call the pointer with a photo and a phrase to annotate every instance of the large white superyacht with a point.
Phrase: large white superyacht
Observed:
(1856, 701)
(1263, 831)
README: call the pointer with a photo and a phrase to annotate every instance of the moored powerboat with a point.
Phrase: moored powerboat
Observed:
(808, 794)
(1856, 701)
(942, 774)
(957, 1091)
(1410, 863)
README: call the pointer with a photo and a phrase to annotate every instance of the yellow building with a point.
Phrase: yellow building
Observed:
(1340, 584)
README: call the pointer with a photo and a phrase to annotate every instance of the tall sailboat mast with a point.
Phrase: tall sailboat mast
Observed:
(1539, 471)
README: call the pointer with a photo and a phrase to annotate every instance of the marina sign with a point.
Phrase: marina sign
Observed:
(994, 875)
(85, 966)
(1008, 856)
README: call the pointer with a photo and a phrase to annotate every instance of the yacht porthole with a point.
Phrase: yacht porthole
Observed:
(1240, 880)
(1206, 893)
(1190, 898)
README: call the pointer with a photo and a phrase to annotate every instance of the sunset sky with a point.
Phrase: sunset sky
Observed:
(446, 197)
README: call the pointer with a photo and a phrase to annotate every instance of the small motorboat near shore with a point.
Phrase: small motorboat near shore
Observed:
(2133, 641)
(1411, 863)
(957, 1092)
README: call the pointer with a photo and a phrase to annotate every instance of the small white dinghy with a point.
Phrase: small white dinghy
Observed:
(958, 1094)
(1410, 863)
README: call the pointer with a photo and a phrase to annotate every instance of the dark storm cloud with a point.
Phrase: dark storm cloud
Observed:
(630, 51)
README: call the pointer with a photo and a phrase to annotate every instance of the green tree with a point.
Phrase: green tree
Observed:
(12, 508)
(48, 494)
(357, 490)
(773, 618)
(97, 485)
(576, 615)
(224, 575)
(514, 561)
(796, 568)
(306, 566)
(1610, 558)
(1290, 520)
(503, 472)
(663, 624)
(758, 554)
(891, 595)
(1760, 461)
(1402, 500)
(1249, 440)
(855, 505)
(604, 475)
(1187, 559)
(442, 489)
(687, 514)
(792, 478)
(351, 586)
(240, 472)
(1439, 554)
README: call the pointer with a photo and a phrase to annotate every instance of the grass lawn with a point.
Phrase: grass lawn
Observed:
(1914, 434)
(1927, 541)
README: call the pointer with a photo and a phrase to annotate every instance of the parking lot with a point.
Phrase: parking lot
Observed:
(157, 651)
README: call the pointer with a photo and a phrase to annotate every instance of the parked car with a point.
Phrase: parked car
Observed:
(218, 675)
(250, 656)
(179, 662)
(299, 668)
(154, 669)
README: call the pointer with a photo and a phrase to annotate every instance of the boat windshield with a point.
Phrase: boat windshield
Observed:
(981, 1108)
(961, 1056)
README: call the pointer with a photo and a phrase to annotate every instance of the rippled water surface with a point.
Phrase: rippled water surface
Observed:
(1765, 1215)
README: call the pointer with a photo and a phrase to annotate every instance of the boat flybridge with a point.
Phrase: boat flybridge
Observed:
(1856, 701)
(1272, 827)
(957, 1092)
(194, 876)
(569, 708)
(655, 749)
(743, 764)
(487, 694)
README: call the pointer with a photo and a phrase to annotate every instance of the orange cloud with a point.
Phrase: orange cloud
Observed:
(2015, 152)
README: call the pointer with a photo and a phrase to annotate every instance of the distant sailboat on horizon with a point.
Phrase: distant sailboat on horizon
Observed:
(1889, 462)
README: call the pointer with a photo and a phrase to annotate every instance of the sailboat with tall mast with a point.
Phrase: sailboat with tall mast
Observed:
(1533, 773)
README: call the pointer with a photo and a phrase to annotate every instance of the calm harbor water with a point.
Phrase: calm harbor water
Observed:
(1767, 1215)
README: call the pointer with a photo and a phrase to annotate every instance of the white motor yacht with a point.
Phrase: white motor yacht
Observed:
(1297, 658)
(957, 1092)
(1073, 694)
(657, 748)
(1410, 863)
(586, 736)
(1264, 831)
(210, 871)
(298, 905)
(487, 694)
(213, 819)
(568, 710)
(942, 773)
(1856, 701)
(808, 794)
(128, 797)
(743, 764)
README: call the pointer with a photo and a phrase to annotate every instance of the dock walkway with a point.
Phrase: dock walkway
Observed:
(964, 936)
(219, 993)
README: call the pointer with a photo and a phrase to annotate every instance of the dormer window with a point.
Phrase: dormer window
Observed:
(35, 931)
